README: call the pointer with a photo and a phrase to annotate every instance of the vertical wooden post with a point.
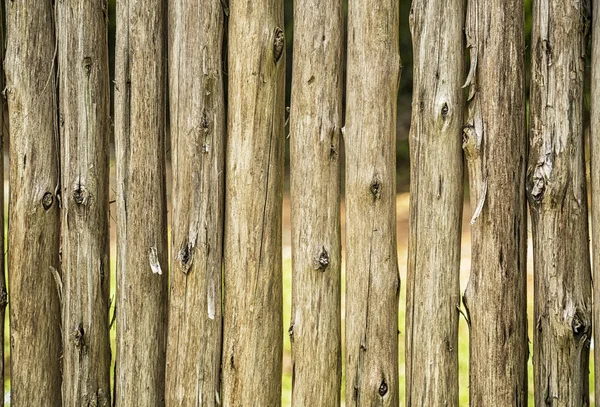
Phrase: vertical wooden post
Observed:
(34, 206)
(436, 201)
(3, 135)
(595, 184)
(557, 193)
(141, 203)
(495, 147)
(197, 108)
(253, 335)
(315, 131)
(84, 126)
(372, 278)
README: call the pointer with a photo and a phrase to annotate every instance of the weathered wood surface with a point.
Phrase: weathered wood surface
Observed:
(34, 224)
(84, 126)
(495, 145)
(141, 298)
(3, 136)
(372, 278)
(595, 180)
(315, 131)
(556, 189)
(253, 335)
(436, 201)
(197, 107)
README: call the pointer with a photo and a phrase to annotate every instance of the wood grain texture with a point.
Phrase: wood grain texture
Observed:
(34, 224)
(556, 190)
(495, 145)
(84, 125)
(315, 131)
(197, 106)
(436, 201)
(141, 296)
(595, 181)
(252, 333)
(372, 278)
(4, 133)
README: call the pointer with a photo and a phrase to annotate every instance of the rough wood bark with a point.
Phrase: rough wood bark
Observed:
(595, 182)
(84, 126)
(372, 278)
(495, 147)
(253, 338)
(556, 189)
(141, 203)
(436, 200)
(198, 157)
(34, 207)
(315, 131)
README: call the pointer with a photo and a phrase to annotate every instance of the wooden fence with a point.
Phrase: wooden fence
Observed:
(199, 318)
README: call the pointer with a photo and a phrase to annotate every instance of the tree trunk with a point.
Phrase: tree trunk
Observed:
(198, 149)
(316, 122)
(34, 206)
(436, 202)
(372, 278)
(495, 147)
(253, 335)
(595, 178)
(84, 133)
(141, 203)
(556, 189)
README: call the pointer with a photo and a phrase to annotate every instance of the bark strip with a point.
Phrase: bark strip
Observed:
(556, 189)
(495, 145)
(372, 278)
(34, 205)
(197, 109)
(141, 307)
(253, 335)
(84, 126)
(436, 201)
(315, 131)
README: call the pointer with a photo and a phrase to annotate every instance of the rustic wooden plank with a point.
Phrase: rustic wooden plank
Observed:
(436, 203)
(141, 298)
(315, 131)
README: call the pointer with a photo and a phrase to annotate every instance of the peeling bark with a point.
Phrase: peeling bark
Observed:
(372, 278)
(495, 147)
(141, 298)
(556, 189)
(84, 126)
(252, 334)
(436, 200)
(198, 157)
(315, 131)
(34, 206)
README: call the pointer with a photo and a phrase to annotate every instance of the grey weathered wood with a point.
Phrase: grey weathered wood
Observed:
(252, 335)
(595, 182)
(436, 200)
(372, 278)
(197, 108)
(495, 147)
(84, 125)
(315, 131)
(140, 88)
(556, 190)
(34, 206)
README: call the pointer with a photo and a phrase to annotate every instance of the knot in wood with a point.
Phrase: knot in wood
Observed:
(291, 333)
(78, 333)
(47, 200)
(323, 260)
(80, 195)
(578, 325)
(278, 44)
(375, 188)
(383, 388)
